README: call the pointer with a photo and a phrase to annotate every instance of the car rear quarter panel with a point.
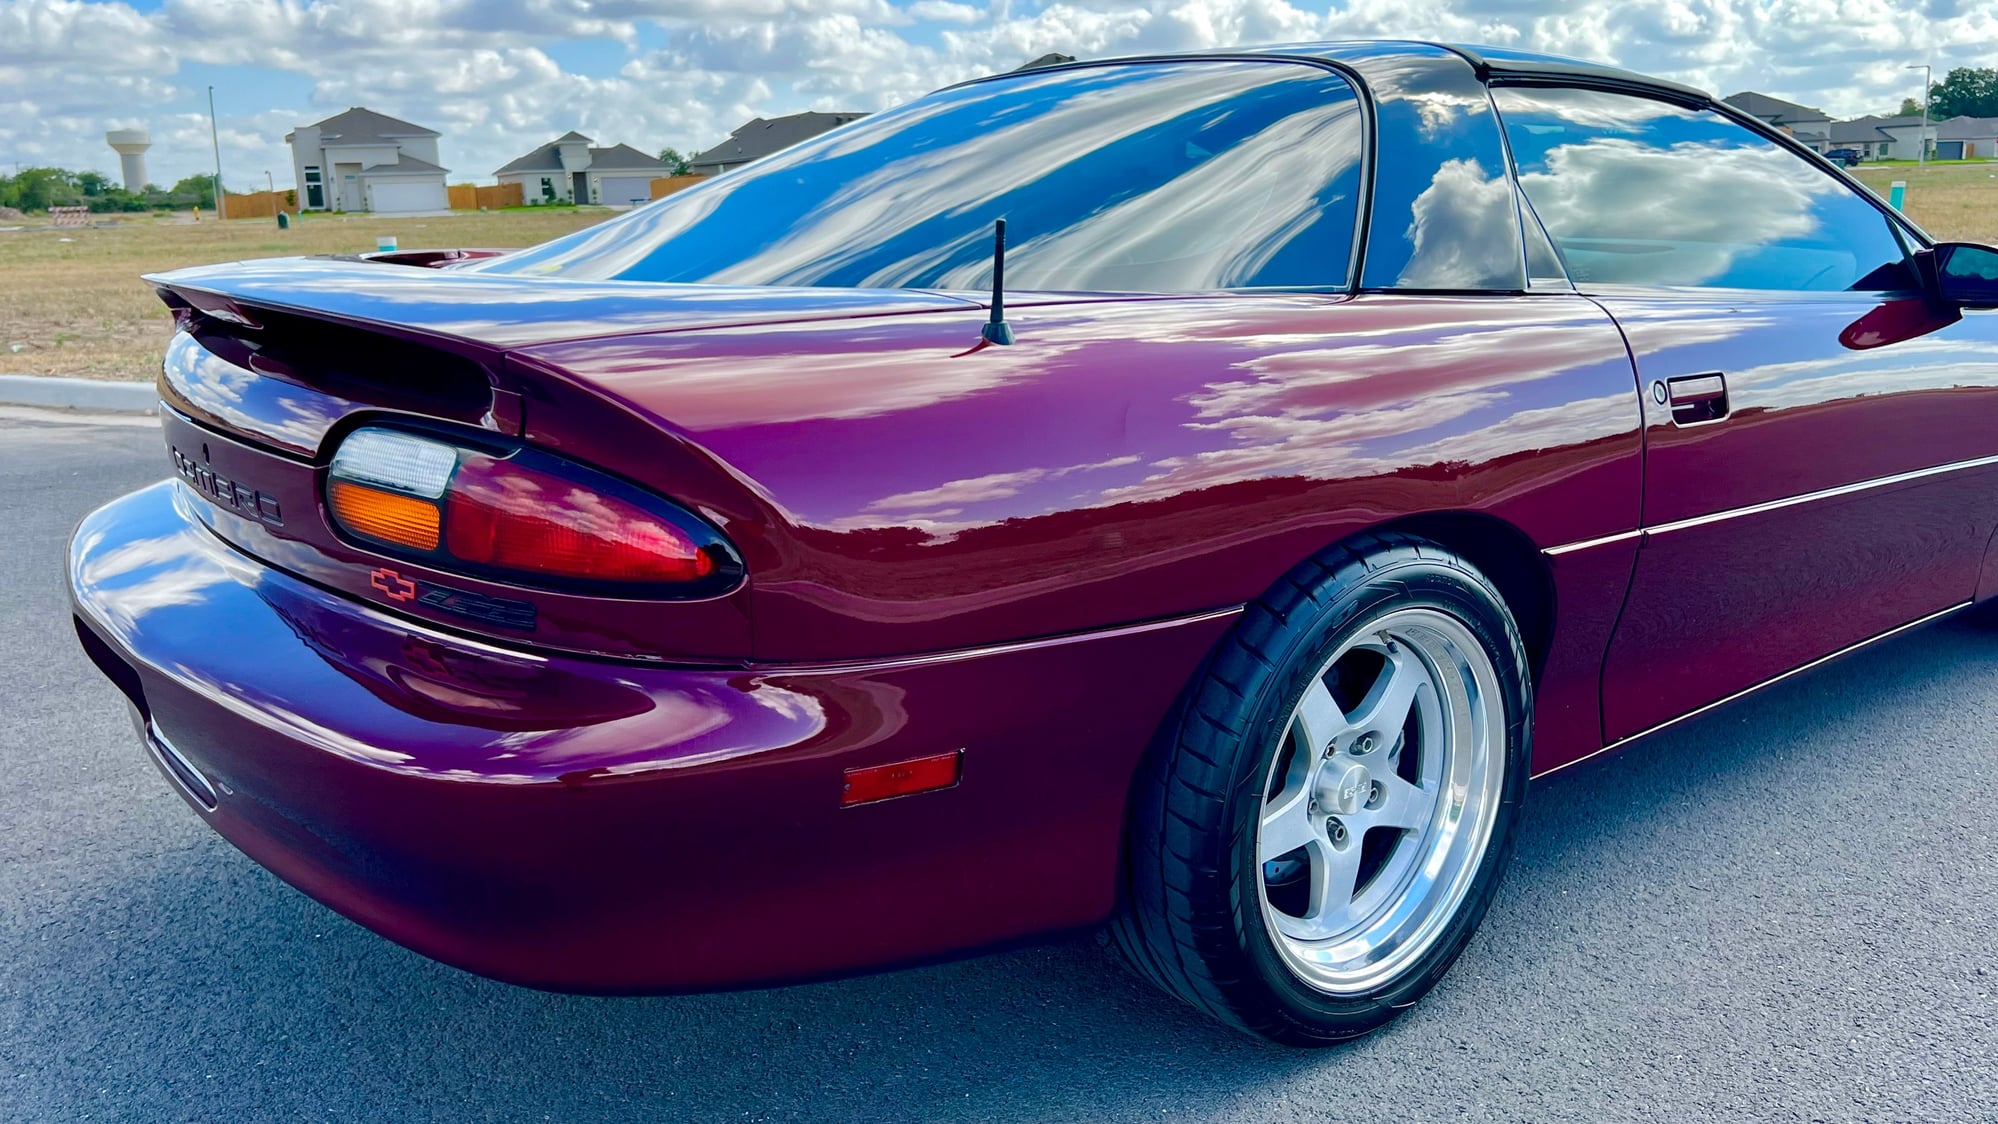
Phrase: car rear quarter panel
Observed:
(1125, 460)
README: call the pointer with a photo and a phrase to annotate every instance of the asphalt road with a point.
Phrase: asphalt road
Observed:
(1785, 910)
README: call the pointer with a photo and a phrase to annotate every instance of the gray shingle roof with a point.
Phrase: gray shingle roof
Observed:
(360, 125)
(623, 157)
(761, 137)
(617, 157)
(1774, 110)
(404, 163)
(1052, 58)
(1867, 129)
(1968, 128)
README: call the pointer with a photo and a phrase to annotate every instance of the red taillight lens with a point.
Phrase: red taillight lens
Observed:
(524, 515)
(500, 514)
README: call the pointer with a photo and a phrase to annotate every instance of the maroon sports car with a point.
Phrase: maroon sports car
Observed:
(807, 573)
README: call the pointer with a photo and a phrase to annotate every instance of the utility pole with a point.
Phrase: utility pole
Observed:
(270, 184)
(1928, 81)
(215, 138)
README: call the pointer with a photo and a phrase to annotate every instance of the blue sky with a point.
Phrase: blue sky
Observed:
(498, 77)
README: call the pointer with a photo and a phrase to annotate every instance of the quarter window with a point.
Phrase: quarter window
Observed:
(1641, 192)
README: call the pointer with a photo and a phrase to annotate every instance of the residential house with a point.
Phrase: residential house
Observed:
(1811, 127)
(1863, 135)
(571, 169)
(761, 137)
(1967, 138)
(1907, 135)
(361, 160)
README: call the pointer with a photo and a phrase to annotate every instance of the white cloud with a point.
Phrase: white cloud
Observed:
(500, 76)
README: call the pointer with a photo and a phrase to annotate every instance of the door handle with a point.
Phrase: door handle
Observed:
(1694, 399)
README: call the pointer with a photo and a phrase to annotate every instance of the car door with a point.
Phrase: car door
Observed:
(1821, 445)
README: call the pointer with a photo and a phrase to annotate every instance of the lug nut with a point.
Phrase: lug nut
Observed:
(1335, 830)
(1364, 746)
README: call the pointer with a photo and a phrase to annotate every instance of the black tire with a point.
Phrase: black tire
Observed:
(1191, 917)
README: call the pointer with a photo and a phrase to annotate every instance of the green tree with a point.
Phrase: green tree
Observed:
(90, 183)
(196, 190)
(1909, 108)
(676, 163)
(38, 189)
(1965, 92)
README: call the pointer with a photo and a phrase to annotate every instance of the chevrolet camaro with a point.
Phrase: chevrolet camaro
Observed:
(1192, 494)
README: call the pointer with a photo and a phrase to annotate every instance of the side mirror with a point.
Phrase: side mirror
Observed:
(1966, 274)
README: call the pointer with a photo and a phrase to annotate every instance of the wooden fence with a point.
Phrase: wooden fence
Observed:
(670, 184)
(471, 197)
(258, 204)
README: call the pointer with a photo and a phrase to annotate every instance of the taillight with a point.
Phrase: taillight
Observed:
(520, 515)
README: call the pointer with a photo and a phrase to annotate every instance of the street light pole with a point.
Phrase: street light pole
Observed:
(215, 138)
(1928, 79)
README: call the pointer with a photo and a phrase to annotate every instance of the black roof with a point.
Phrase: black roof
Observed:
(1503, 64)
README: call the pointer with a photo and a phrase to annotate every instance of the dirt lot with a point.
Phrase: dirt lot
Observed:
(71, 302)
(1957, 202)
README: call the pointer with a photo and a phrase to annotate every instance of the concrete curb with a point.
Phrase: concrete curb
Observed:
(93, 395)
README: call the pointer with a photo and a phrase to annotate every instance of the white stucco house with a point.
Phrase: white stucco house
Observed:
(1967, 138)
(1907, 137)
(572, 169)
(361, 160)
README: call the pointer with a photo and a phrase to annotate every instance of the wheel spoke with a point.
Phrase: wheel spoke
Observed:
(1403, 805)
(1286, 826)
(1385, 709)
(1319, 719)
(1334, 874)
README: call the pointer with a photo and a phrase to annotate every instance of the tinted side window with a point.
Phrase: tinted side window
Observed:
(1642, 192)
(1163, 177)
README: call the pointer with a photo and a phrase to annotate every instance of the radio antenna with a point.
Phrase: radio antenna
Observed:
(996, 330)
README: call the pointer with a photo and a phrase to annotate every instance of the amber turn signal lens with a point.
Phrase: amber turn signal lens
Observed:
(402, 520)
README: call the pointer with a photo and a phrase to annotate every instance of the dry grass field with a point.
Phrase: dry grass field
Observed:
(71, 302)
(1955, 202)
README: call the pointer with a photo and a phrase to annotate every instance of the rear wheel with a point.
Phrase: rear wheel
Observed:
(1321, 827)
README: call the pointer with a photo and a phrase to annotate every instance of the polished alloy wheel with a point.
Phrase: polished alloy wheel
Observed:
(1379, 803)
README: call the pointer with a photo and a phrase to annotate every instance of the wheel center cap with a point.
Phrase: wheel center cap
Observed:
(1347, 789)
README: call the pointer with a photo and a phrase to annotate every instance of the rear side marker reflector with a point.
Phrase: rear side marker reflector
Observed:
(398, 519)
(903, 778)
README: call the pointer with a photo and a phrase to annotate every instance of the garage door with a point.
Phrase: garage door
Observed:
(617, 191)
(1949, 150)
(385, 198)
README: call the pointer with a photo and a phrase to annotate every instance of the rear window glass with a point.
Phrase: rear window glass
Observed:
(1161, 177)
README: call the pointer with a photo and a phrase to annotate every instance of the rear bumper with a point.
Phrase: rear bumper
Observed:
(609, 827)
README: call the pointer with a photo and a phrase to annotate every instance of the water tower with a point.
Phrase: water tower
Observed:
(131, 146)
